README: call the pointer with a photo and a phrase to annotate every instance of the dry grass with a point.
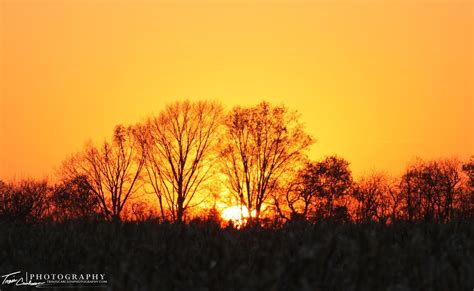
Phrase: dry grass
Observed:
(202, 256)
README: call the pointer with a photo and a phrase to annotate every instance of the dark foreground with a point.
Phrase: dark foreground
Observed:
(201, 256)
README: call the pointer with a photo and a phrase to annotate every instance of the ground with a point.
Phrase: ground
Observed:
(203, 256)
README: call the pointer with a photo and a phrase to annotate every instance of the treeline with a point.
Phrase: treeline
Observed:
(191, 153)
(429, 191)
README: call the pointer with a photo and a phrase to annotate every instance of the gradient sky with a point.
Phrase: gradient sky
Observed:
(376, 82)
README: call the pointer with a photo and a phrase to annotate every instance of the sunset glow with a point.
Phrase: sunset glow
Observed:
(235, 214)
(376, 82)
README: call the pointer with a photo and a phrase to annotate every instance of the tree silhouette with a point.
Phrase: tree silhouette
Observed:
(468, 169)
(466, 203)
(377, 199)
(368, 192)
(181, 153)
(261, 151)
(75, 198)
(431, 190)
(263, 142)
(24, 201)
(316, 191)
(294, 200)
(331, 179)
(112, 170)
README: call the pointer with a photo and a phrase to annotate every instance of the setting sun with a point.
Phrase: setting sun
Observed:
(235, 214)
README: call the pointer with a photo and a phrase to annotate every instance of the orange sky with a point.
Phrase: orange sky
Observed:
(377, 82)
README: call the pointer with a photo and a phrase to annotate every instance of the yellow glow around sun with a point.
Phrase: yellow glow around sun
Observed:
(236, 214)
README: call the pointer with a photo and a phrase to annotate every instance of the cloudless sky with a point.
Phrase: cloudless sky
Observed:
(376, 82)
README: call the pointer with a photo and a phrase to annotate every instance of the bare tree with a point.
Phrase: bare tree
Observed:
(26, 200)
(263, 142)
(74, 198)
(393, 207)
(112, 170)
(330, 179)
(466, 203)
(181, 152)
(431, 190)
(377, 198)
(368, 192)
(468, 169)
(295, 199)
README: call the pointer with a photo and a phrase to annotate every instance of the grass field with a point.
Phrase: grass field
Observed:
(203, 256)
